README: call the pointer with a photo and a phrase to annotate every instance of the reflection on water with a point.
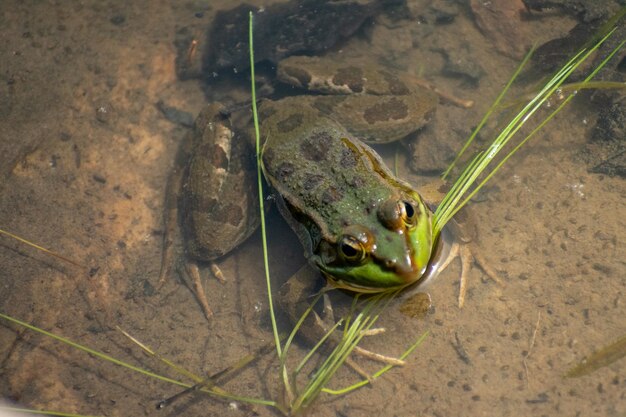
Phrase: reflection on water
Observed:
(86, 156)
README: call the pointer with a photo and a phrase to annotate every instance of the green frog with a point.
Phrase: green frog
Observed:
(364, 229)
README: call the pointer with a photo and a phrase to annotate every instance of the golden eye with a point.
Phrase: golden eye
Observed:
(351, 249)
(409, 213)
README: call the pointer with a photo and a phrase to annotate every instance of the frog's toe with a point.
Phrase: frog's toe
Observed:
(482, 263)
(217, 272)
(468, 255)
(389, 360)
(373, 332)
(325, 321)
(328, 314)
(373, 356)
(194, 274)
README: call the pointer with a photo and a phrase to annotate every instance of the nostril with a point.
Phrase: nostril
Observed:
(390, 263)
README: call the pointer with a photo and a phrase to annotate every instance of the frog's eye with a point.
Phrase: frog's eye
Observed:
(351, 249)
(408, 213)
(396, 214)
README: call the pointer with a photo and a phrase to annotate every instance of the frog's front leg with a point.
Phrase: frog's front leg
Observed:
(469, 254)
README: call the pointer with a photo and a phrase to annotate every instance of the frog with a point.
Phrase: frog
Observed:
(363, 228)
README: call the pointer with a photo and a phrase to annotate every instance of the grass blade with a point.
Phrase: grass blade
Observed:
(487, 115)
(40, 412)
(257, 135)
(134, 368)
(41, 248)
(362, 383)
(455, 199)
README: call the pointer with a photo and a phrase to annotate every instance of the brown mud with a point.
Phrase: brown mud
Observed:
(85, 153)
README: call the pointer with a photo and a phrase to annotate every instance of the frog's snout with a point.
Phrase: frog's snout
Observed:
(404, 267)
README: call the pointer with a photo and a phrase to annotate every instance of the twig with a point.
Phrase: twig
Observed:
(460, 350)
(530, 348)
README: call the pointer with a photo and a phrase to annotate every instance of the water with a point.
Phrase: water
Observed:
(86, 154)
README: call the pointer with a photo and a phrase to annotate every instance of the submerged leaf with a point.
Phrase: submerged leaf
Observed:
(599, 359)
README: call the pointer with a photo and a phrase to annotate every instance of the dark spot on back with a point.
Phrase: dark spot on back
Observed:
(228, 214)
(217, 157)
(331, 195)
(311, 181)
(357, 182)
(303, 77)
(396, 86)
(350, 76)
(323, 105)
(285, 170)
(266, 111)
(292, 122)
(201, 203)
(348, 158)
(392, 109)
(315, 147)
(327, 104)
(444, 188)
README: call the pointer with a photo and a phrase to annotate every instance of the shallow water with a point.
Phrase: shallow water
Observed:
(85, 158)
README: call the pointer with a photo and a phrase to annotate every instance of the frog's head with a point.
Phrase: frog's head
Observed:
(393, 253)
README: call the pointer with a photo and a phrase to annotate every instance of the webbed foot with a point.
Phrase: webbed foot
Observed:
(468, 254)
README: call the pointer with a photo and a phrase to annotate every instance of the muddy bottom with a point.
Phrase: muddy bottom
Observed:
(85, 157)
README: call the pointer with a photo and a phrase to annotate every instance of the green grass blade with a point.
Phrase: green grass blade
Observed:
(452, 202)
(534, 131)
(571, 87)
(487, 115)
(362, 383)
(290, 385)
(354, 331)
(208, 383)
(607, 27)
(257, 135)
(329, 367)
(317, 346)
(93, 352)
(600, 358)
(42, 412)
(293, 333)
(40, 248)
(182, 371)
(134, 368)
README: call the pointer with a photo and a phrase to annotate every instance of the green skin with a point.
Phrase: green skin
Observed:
(366, 230)
(374, 275)
(335, 191)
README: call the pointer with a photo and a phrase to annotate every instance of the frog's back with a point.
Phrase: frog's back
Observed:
(320, 171)
(359, 224)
